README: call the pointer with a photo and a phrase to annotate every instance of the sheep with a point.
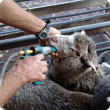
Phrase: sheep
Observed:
(104, 57)
(101, 100)
(73, 72)
(48, 95)
(76, 56)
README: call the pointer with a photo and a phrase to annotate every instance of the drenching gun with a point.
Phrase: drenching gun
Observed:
(33, 51)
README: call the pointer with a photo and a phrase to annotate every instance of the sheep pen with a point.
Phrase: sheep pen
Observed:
(69, 82)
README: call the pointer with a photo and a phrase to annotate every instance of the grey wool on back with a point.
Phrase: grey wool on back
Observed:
(73, 73)
(48, 96)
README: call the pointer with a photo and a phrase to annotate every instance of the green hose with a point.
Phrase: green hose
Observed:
(5, 66)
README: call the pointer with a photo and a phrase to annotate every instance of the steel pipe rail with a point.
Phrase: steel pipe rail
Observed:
(67, 15)
(75, 14)
(81, 19)
(63, 32)
(103, 49)
(12, 31)
(18, 40)
(65, 6)
(66, 22)
(85, 27)
(101, 43)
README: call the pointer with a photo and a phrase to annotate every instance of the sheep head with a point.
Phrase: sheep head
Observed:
(76, 45)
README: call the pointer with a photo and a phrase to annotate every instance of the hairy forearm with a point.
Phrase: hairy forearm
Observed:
(12, 14)
(10, 84)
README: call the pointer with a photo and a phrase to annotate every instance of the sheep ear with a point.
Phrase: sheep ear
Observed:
(83, 32)
(105, 68)
(89, 63)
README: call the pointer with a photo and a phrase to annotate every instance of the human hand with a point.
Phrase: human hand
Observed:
(30, 69)
(52, 31)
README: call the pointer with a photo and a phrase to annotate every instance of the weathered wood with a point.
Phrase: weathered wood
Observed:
(13, 34)
(81, 23)
(65, 6)
(63, 26)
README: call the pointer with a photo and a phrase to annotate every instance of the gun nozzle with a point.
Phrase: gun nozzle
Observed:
(28, 51)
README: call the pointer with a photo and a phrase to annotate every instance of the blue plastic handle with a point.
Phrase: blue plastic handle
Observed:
(26, 55)
(36, 82)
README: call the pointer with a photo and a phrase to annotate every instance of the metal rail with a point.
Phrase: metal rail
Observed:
(75, 14)
(67, 15)
(101, 43)
(103, 49)
(81, 19)
(63, 32)
(85, 27)
(12, 31)
(65, 22)
(65, 6)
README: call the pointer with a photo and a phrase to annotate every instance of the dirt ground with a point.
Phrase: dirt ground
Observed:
(34, 3)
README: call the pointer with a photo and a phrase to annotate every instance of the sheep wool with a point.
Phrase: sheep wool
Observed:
(72, 72)
(48, 96)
